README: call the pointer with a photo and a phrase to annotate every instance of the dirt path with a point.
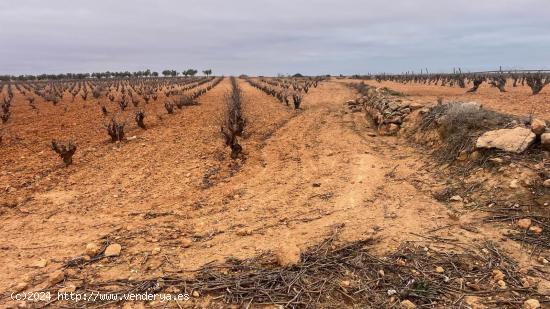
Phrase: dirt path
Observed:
(319, 172)
(174, 188)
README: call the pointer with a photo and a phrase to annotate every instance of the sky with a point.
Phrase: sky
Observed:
(265, 37)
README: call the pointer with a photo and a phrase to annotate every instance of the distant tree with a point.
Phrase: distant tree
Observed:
(207, 72)
(147, 73)
(297, 75)
(155, 74)
(166, 73)
(190, 72)
(173, 73)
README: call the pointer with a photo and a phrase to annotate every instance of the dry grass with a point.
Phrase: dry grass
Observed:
(460, 124)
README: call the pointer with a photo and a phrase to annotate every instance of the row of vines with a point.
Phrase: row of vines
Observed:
(536, 80)
(118, 101)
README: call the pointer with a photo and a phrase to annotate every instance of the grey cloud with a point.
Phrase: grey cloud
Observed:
(272, 36)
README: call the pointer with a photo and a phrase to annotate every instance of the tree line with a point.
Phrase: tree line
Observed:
(106, 74)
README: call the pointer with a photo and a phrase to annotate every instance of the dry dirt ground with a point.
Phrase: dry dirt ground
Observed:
(174, 188)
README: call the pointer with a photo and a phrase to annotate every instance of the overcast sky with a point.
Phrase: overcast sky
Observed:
(269, 37)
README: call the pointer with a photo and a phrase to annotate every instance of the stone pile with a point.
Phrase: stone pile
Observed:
(387, 112)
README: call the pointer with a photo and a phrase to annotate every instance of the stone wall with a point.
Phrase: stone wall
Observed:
(386, 111)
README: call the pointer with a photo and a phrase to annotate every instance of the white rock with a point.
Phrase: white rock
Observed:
(113, 250)
(524, 223)
(407, 304)
(497, 160)
(515, 140)
(288, 255)
(498, 275)
(56, 277)
(475, 155)
(456, 198)
(535, 229)
(41, 263)
(543, 287)
(545, 140)
(502, 284)
(538, 126)
(92, 249)
(531, 304)
(393, 128)
(245, 231)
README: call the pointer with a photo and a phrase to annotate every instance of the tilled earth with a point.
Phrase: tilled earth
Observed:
(175, 201)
